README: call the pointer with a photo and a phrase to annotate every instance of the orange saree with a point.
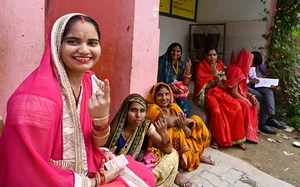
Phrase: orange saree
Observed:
(189, 149)
(223, 112)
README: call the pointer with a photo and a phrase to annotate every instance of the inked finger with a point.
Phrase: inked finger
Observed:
(106, 90)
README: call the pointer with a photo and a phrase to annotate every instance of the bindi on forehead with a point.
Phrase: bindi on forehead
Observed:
(84, 36)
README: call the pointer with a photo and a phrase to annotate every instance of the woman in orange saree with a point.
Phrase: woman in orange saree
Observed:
(189, 135)
(223, 112)
(237, 73)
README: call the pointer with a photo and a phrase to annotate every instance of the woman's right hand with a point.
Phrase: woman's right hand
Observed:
(181, 121)
(213, 69)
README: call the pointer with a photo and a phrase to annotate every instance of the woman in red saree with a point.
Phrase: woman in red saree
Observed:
(237, 74)
(58, 118)
(223, 112)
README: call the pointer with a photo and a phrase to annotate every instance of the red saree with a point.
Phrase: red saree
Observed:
(223, 112)
(237, 73)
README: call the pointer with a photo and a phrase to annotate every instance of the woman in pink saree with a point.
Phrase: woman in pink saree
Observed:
(237, 73)
(58, 118)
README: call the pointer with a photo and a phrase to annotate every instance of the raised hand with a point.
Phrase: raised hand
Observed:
(188, 63)
(213, 69)
(99, 103)
(161, 126)
(181, 121)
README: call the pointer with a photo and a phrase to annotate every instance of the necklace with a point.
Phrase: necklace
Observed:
(177, 64)
(75, 97)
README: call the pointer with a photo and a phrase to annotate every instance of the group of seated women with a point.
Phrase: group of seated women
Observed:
(57, 130)
(157, 133)
(223, 94)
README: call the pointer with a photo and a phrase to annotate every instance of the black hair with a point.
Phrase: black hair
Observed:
(78, 18)
(207, 49)
(257, 58)
(160, 87)
(168, 52)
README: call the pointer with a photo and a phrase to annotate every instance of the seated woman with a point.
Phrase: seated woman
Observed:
(224, 113)
(131, 132)
(58, 117)
(189, 136)
(176, 74)
(237, 74)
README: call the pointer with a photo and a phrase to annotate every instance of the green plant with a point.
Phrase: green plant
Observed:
(283, 55)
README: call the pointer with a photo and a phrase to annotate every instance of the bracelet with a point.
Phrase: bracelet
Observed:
(188, 76)
(102, 177)
(97, 179)
(100, 119)
(167, 144)
(96, 176)
(100, 138)
(101, 128)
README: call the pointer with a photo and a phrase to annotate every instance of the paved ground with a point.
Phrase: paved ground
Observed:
(231, 171)
(228, 171)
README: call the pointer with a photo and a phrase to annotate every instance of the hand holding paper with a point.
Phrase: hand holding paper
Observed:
(266, 82)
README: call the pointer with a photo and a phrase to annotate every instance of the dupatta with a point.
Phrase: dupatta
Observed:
(154, 111)
(45, 126)
(135, 142)
(238, 71)
(203, 76)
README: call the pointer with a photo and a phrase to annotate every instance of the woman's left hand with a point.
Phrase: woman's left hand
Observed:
(111, 174)
(255, 101)
(190, 123)
(188, 63)
(99, 103)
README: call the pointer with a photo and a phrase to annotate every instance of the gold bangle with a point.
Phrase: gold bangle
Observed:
(100, 119)
(167, 144)
(100, 138)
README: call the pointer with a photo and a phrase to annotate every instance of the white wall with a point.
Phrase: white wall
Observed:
(173, 30)
(22, 43)
(230, 10)
(244, 27)
(243, 19)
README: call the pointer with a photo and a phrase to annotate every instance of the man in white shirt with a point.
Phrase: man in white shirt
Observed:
(266, 98)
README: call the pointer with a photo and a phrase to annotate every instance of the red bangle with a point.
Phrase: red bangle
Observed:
(101, 128)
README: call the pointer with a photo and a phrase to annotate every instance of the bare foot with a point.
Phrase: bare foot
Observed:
(181, 181)
(206, 160)
(214, 145)
(242, 146)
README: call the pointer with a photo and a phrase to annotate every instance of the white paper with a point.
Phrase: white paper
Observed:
(266, 82)
(118, 161)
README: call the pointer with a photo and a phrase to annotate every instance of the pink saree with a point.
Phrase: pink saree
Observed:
(37, 147)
